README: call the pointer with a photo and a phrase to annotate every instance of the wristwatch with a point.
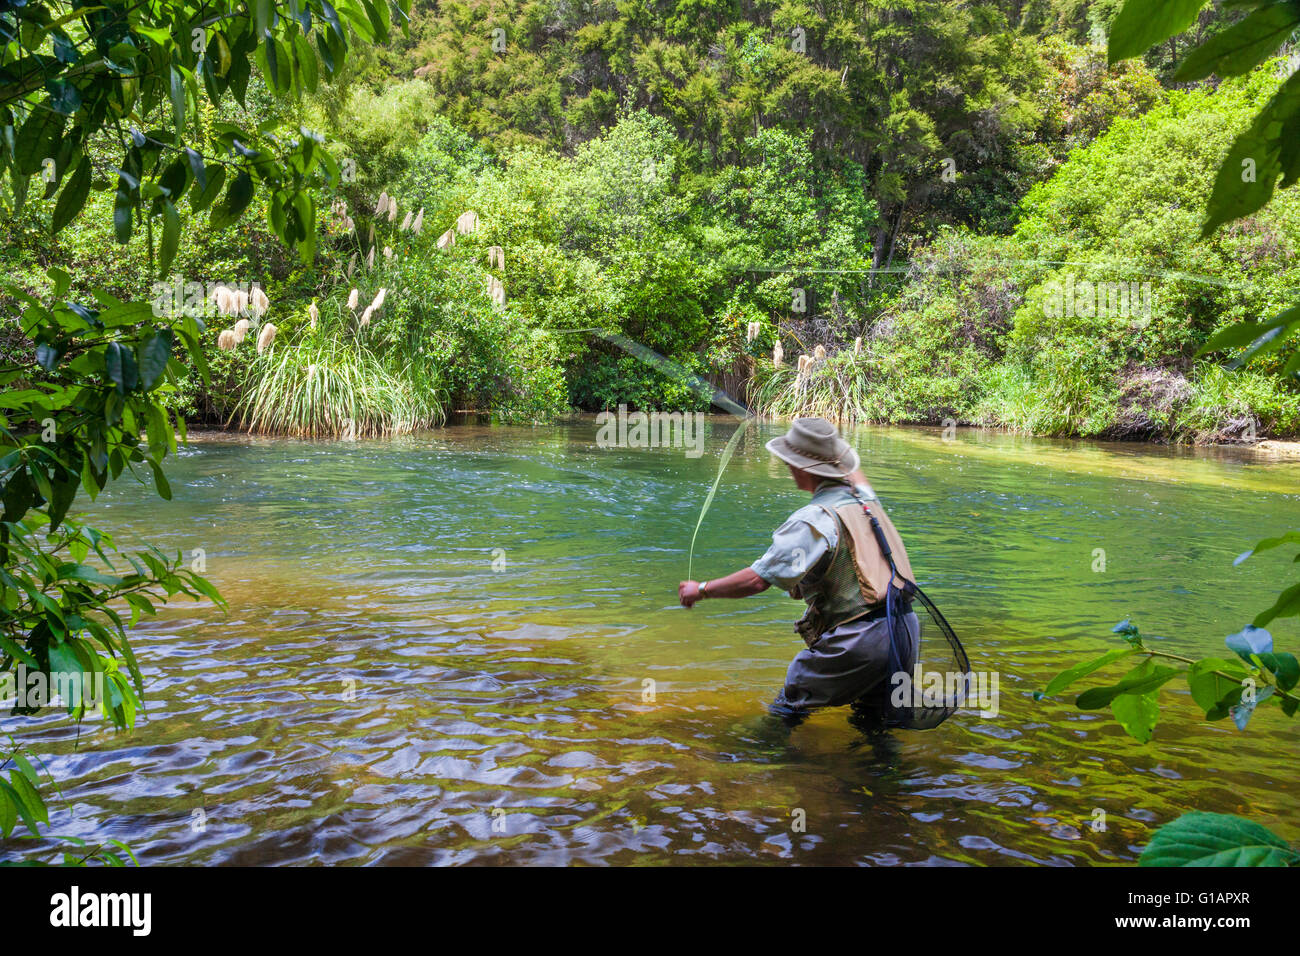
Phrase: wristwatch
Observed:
(703, 592)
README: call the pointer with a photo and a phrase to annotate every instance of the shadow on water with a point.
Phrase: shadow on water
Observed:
(464, 647)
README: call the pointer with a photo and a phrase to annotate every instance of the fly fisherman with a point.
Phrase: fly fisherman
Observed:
(827, 554)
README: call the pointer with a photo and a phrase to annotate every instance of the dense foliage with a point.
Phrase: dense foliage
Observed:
(897, 177)
(984, 330)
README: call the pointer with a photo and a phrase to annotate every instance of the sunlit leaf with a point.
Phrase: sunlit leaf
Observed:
(1216, 839)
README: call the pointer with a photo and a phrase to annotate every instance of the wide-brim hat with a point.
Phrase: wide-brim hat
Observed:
(813, 445)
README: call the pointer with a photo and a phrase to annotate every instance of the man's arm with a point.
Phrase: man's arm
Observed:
(741, 584)
(796, 546)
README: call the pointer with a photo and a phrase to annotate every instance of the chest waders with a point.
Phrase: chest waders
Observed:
(913, 703)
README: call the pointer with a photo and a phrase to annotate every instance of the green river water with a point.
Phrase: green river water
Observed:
(495, 600)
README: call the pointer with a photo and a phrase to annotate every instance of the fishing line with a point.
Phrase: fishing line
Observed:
(708, 500)
(1123, 264)
(702, 388)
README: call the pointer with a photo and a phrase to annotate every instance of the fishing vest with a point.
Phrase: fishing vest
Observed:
(852, 581)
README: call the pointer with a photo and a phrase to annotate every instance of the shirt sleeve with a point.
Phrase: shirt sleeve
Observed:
(796, 548)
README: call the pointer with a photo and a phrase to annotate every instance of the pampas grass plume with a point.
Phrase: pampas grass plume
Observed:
(265, 338)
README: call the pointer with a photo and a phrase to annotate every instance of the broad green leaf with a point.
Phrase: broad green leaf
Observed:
(171, 238)
(1208, 688)
(1225, 706)
(1284, 668)
(1137, 713)
(1263, 152)
(65, 492)
(221, 54)
(73, 197)
(71, 571)
(1240, 334)
(8, 815)
(155, 352)
(123, 207)
(263, 11)
(119, 363)
(1216, 839)
(36, 140)
(18, 653)
(201, 198)
(1068, 677)
(1287, 605)
(30, 797)
(18, 804)
(1243, 46)
(64, 660)
(1270, 341)
(236, 200)
(164, 489)
(1141, 679)
(1141, 24)
(305, 58)
(125, 849)
(270, 58)
(206, 587)
(176, 92)
(1291, 537)
(196, 167)
(62, 281)
(25, 765)
(126, 313)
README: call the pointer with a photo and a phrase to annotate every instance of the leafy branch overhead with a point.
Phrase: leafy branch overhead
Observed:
(86, 400)
(69, 73)
(1220, 687)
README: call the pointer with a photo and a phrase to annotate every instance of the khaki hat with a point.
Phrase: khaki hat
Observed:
(813, 445)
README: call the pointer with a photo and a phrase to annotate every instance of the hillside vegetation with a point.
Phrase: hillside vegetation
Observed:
(955, 213)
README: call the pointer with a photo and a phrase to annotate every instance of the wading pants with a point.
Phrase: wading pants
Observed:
(847, 662)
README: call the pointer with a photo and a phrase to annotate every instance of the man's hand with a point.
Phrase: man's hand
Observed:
(741, 584)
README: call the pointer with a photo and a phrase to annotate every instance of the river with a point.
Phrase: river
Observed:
(464, 647)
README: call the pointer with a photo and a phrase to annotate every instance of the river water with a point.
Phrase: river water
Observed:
(464, 647)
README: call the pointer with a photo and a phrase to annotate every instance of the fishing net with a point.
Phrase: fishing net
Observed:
(929, 670)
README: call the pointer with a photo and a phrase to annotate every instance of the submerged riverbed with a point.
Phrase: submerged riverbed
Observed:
(438, 650)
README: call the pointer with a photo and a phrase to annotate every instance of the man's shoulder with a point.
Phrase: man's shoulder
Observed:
(815, 515)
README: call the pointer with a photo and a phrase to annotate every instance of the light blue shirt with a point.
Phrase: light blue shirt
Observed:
(800, 543)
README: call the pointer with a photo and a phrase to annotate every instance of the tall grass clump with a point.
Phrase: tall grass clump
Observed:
(329, 383)
(835, 388)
